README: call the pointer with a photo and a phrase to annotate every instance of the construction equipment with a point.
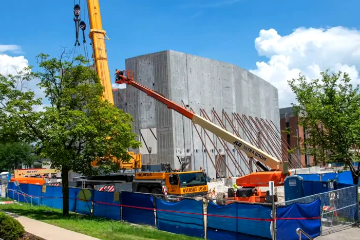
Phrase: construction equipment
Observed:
(177, 183)
(98, 37)
(37, 176)
(250, 184)
(29, 180)
(142, 181)
(33, 172)
(133, 163)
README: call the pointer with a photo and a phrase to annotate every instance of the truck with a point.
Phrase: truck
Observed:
(249, 190)
(166, 181)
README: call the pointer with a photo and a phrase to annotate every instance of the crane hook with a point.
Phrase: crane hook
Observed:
(83, 28)
(77, 20)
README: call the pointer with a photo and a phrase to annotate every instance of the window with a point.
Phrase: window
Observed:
(288, 138)
(173, 179)
(192, 179)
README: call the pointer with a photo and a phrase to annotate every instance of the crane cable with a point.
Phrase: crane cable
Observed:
(79, 24)
(77, 20)
(85, 45)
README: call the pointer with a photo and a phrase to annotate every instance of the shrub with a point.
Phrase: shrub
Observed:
(10, 228)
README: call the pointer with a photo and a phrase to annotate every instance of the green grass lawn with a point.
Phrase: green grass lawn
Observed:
(5, 199)
(92, 226)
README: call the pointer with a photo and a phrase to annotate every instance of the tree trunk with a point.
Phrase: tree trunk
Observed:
(355, 176)
(65, 189)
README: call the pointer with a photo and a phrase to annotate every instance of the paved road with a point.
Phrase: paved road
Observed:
(348, 234)
(48, 231)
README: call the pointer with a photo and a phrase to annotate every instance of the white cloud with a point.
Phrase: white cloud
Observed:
(10, 65)
(9, 48)
(309, 51)
(13, 64)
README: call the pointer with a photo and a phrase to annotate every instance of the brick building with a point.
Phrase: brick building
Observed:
(289, 121)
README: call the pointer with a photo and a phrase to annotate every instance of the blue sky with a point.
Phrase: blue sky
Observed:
(219, 29)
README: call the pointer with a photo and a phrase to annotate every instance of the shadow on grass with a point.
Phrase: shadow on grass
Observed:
(44, 213)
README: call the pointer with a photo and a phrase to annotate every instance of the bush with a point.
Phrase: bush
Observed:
(10, 228)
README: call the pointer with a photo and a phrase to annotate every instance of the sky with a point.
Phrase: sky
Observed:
(275, 40)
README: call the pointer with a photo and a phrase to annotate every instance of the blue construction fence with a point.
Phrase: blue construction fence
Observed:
(298, 186)
(341, 177)
(337, 186)
(187, 216)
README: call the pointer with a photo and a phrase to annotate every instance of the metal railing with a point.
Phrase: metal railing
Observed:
(337, 210)
(300, 232)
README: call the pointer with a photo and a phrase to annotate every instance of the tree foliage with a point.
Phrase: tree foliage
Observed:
(76, 127)
(15, 154)
(329, 110)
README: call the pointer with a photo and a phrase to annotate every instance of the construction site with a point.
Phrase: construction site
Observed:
(223, 93)
(214, 161)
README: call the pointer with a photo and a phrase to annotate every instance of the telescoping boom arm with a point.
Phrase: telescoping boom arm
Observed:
(98, 36)
(239, 143)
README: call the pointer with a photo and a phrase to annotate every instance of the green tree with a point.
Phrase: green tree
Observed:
(78, 126)
(14, 154)
(329, 110)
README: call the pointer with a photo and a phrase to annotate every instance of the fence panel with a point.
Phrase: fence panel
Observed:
(298, 215)
(11, 190)
(310, 177)
(52, 197)
(221, 227)
(35, 192)
(22, 190)
(259, 222)
(342, 177)
(315, 187)
(77, 205)
(239, 221)
(138, 208)
(328, 176)
(183, 217)
(345, 177)
(105, 206)
(338, 207)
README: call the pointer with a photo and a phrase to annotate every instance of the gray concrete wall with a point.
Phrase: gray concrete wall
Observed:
(210, 84)
(199, 83)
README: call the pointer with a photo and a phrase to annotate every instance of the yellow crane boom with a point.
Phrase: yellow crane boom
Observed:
(98, 36)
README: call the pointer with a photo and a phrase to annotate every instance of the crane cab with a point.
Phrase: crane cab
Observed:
(177, 183)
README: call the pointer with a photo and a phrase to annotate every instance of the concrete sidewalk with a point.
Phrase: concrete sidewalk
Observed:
(347, 234)
(48, 231)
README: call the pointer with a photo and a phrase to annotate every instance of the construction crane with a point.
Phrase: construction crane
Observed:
(250, 183)
(98, 36)
(176, 183)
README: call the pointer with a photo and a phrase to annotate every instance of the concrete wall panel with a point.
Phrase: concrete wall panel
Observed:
(199, 83)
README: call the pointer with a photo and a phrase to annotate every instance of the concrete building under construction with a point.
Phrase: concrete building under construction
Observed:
(219, 91)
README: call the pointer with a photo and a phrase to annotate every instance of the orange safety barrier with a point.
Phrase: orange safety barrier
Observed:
(29, 180)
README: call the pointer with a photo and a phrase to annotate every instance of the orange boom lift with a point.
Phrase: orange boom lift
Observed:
(250, 184)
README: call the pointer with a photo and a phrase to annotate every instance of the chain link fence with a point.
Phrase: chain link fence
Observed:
(339, 208)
